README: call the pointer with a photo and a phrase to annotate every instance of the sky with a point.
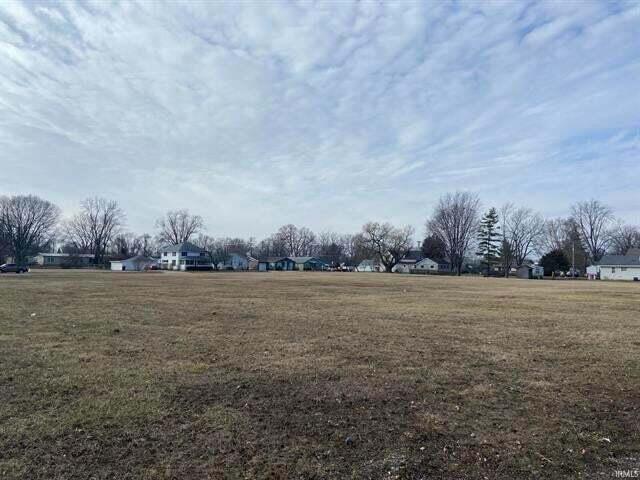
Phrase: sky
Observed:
(322, 114)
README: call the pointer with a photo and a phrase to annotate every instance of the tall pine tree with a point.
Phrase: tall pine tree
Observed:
(489, 239)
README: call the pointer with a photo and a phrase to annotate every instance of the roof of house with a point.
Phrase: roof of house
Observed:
(529, 266)
(84, 255)
(273, 259)
(634, 251)
(137, 258)
(439, 261)
(620, 260)
(183, 247)
(306, 259)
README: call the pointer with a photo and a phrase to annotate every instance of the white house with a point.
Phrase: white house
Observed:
(185, 256)
(138, 263)
(620, 267)
(428, 265)
(408, 262)
(404, 266)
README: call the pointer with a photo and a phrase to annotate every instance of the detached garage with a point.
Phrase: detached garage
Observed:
(138, 263)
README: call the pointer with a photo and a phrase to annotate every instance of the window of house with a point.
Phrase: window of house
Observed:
(613, 269)
(184, 254)
(173, 262)
(50, 260)
(623, 269)
(166, 254)
(173, 254)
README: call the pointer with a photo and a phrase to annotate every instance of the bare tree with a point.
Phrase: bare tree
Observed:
(288, 236)
(388, 243)
(523, 230)
(5, 242)
(357, 249)
(297, 241)
(593, 220)
(331, 247)
(562, 234)
(272, 246)
(95, 226)
(455, 222)
(124, 244)
(27, 222)
(178, 226)
(623, 238)
(308, 245)
(220, 249)
(145, 245)
(205, 242)
(78, 234)
(554, 234)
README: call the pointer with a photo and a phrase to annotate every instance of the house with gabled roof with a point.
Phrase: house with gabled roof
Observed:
(309, 263)
(431, 265)
(266, 264)
(185, 256)
(620, 267)
(408, 261)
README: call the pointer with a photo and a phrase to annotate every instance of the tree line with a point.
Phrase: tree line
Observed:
(456, 230)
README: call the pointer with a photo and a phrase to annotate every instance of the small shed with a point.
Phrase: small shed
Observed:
(138, 263)
(530, 272)
(593, 272)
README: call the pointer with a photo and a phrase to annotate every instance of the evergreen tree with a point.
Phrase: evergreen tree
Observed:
(554, 261)
(489, 239)
(434, 248)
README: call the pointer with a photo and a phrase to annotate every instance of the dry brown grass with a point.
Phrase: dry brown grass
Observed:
(265, 375)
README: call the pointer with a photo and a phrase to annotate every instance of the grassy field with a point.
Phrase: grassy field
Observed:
(316, 375)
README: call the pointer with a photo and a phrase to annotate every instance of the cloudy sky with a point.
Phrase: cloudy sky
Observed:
(324, 114)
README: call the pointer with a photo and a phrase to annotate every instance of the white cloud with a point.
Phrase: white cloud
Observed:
(326, 115)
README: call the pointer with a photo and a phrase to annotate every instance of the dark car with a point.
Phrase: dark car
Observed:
(12, 267)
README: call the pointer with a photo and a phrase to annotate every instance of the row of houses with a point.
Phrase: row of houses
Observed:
(187, 256)
(415, 262)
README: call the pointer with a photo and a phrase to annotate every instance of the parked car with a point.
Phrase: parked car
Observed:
(12, 267)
